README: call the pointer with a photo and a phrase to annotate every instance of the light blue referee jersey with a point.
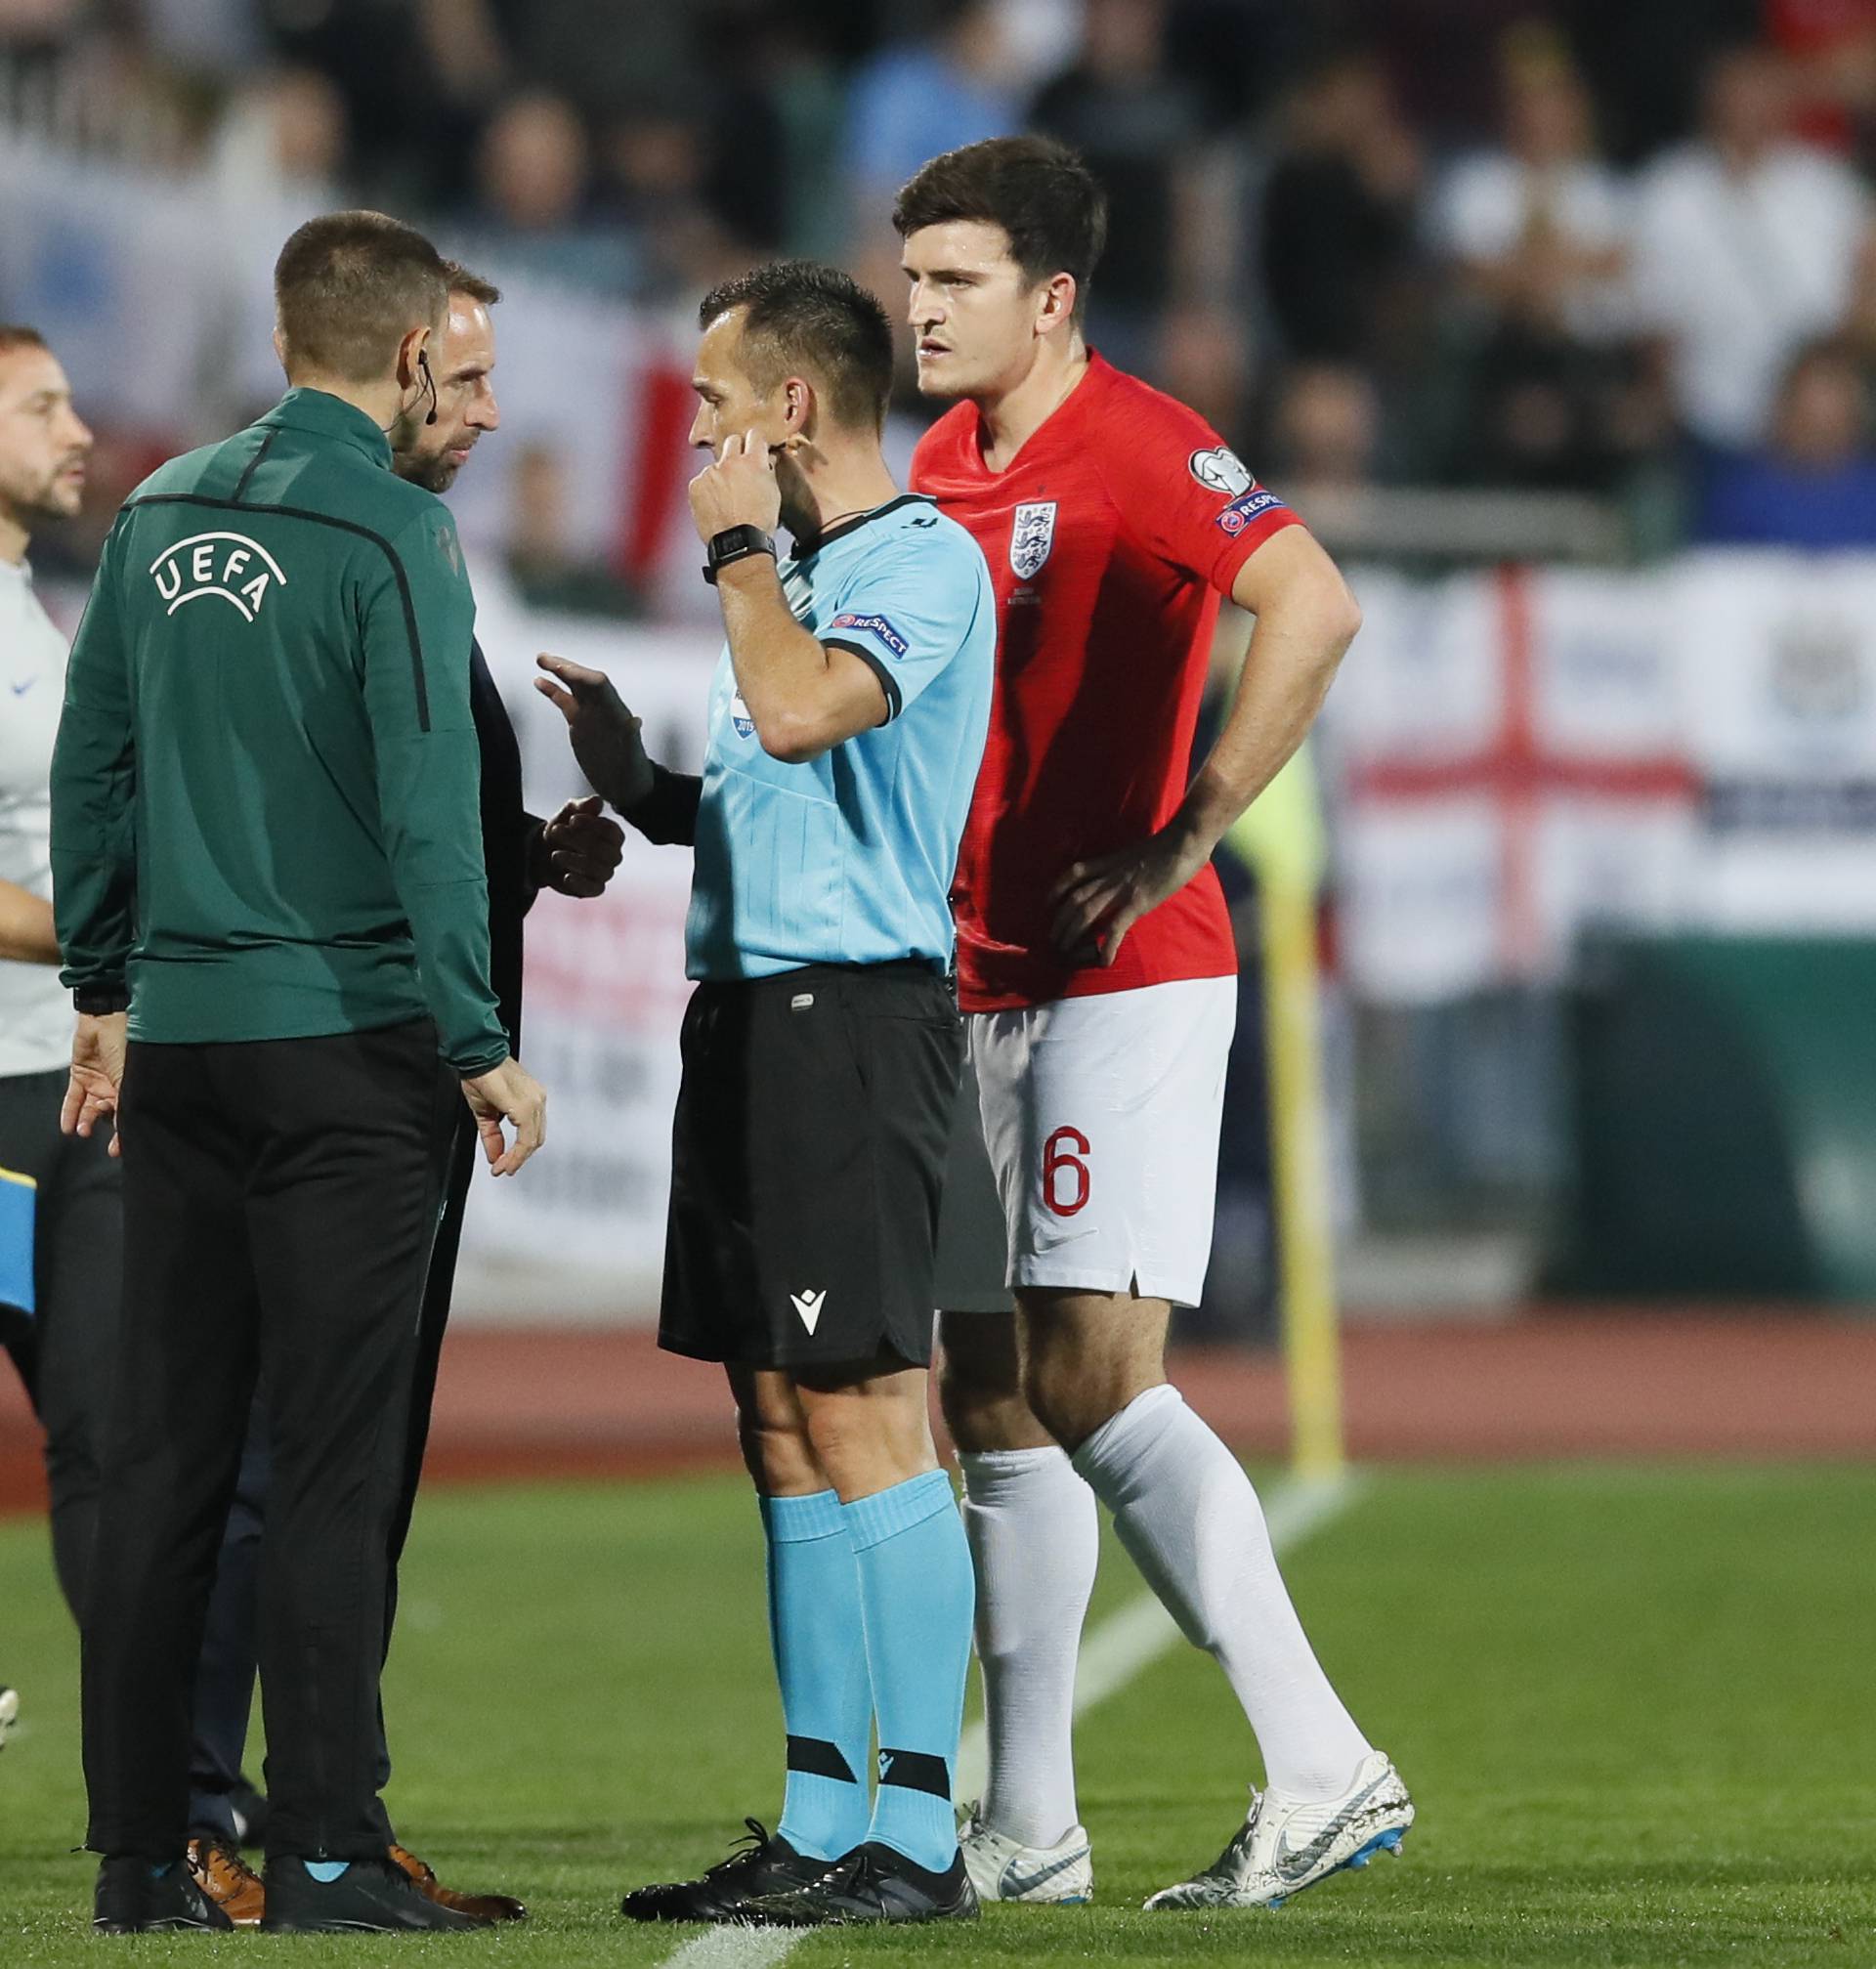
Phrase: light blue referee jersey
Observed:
(848, 859)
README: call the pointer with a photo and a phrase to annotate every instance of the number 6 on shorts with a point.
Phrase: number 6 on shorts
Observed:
(1064, 1150)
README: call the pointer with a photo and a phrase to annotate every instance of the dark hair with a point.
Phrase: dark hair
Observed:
(801, 316)
(349, 286)
(17, 335)
(462, 282)
(1047, 201)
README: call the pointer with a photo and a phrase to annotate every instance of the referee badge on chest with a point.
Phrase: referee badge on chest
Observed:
(1031, 537)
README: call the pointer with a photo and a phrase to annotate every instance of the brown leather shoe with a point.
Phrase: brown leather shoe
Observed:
(489, 1907)
(228, 1881)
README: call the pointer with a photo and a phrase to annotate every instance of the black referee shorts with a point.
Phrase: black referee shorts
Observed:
(807, 1159)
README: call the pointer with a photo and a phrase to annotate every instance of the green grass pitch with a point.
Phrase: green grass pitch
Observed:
(1635, 1707)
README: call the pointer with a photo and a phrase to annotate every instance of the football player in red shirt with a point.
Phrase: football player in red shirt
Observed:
(1096, 964)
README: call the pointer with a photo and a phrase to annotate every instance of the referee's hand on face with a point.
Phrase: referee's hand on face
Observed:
(508, 1093)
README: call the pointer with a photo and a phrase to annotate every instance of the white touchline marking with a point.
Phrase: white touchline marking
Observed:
(737, 1949)
(1112, 1655)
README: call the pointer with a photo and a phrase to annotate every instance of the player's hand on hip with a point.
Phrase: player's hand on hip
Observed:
(738, 489)
(579, 849)
(98, 1048)
(1097, 901)
(508, 1094)
(605, 734)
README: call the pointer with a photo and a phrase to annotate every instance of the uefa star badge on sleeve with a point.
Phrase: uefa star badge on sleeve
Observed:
(1220, 470)
(1031, 537)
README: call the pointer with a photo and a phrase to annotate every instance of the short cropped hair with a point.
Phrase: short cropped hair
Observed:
(349, 286)
(462, 282)
(802, 316)
(17, 335)
(1040, 191)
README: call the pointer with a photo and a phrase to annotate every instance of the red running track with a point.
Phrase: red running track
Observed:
(560, 1401)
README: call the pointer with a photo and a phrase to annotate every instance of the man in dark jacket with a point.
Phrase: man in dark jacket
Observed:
(575, 854)
(262, 855)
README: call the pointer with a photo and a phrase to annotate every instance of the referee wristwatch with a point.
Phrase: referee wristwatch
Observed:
(734, 544)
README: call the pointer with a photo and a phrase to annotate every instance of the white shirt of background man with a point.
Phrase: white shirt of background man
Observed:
(1488, 202)
(35, 1008)
(1738, 269)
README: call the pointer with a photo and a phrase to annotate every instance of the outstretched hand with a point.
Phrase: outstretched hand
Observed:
(604, 732)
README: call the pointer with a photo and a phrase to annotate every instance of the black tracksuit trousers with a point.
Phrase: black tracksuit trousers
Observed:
(280, 1202)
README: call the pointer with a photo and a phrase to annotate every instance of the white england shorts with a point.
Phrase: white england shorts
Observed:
(1101, 1119)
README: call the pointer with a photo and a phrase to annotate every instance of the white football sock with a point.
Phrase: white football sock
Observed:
(1187, 1513)
(1034, 1534)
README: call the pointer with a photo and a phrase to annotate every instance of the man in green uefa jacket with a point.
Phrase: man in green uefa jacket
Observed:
(270, 897)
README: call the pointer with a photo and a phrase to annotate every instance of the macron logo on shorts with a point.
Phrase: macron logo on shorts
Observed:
(879, 628)
(808, 1305)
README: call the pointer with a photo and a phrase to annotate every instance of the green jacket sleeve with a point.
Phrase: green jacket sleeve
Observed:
(93, 788)
(418, 616)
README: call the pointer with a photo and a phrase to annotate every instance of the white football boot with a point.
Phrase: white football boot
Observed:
(1060, 1876)
(1284, 1847)
(9, 1714)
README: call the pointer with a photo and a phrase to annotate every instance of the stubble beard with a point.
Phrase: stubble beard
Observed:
(435, 474)
(48, 499)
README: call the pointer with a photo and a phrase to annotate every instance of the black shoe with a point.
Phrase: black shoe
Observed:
(761, 1864)
(135, 1898)
(371, 1893)
(872, 1883)
(249, 1806)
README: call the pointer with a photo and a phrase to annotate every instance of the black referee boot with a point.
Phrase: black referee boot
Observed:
(871, 1884)
(135, 1898)
(370, 1894)
(763, 1863)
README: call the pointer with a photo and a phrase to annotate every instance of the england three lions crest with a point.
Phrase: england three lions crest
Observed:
(1031, 538)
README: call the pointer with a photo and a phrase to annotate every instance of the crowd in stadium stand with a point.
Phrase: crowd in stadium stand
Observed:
(1599, 247)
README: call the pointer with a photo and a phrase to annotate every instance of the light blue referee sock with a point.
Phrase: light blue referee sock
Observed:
(916, 1588)
(821, 1663)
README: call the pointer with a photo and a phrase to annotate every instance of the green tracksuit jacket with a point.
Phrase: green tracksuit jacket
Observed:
(265, 818)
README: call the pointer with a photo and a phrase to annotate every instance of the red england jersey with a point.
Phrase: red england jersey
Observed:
(1110, 538)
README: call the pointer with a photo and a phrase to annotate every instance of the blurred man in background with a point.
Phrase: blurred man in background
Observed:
(1746, 247)
(65, 1355)
(1813, 484)
(305, 955)
(1096, 964)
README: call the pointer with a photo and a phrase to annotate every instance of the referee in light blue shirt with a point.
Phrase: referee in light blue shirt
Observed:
(821, 1058)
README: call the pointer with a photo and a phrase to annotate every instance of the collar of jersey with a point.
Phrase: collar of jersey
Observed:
(810, 545)
(327, 416)
(1061, 427)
